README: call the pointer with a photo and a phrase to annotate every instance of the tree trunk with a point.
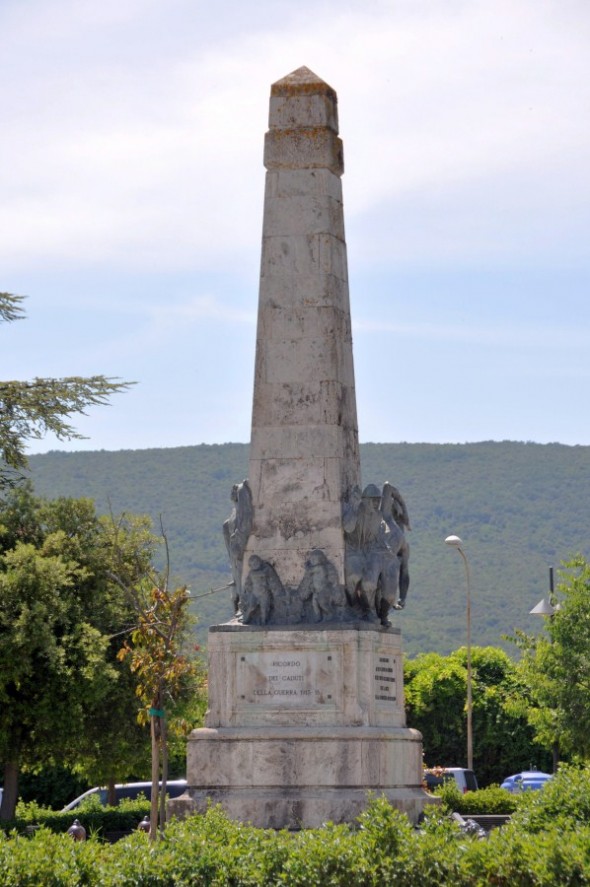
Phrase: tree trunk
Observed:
(164, 747)
(112, 800)
(10, 791)
(155, 780)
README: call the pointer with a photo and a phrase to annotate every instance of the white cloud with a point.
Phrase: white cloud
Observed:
(198, 308)
(131, 194)
(156, 157)
(493, 335)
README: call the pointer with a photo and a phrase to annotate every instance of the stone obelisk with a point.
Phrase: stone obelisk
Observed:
(306, 705)
(304, 454)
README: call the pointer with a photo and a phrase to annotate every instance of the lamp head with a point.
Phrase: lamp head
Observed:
(543, 608)
(453, 541)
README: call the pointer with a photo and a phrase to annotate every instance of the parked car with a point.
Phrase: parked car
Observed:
(525, 781)
(465, 779)
(174, 788)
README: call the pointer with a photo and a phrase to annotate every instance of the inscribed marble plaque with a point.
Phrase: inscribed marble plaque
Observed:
(293, 678)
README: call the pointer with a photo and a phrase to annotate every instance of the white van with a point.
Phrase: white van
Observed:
(465, 779)
(174, 788)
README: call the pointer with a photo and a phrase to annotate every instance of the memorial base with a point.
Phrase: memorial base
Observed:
(303, 724)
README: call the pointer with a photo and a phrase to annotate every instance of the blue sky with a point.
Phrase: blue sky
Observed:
(131, 194)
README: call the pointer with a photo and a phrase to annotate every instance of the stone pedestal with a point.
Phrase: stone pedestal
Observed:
(302, 724)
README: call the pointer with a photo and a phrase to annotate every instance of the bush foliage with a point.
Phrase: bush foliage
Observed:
(547, 842)
(95, 818)
(493, 800)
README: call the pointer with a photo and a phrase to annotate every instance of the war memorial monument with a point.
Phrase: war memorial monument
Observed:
(306, 708)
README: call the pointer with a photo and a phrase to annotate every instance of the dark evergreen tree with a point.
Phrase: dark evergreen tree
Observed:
(31, 409)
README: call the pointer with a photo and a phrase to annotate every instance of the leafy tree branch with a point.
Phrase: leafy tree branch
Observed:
(31, 409)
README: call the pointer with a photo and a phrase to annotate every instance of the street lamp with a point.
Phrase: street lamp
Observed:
(546, 607)
(455, 542)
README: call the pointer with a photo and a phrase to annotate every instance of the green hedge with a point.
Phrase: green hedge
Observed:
(383, 850)
(563, 802)
(547, 842)
(493, 799)
(95, 818)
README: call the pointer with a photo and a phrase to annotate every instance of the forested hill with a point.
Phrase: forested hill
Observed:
(519, 508)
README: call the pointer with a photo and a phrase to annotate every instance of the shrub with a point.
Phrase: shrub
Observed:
(382, 848)
(493, 799)
(564, 799)
(91, 814)
(50, 860)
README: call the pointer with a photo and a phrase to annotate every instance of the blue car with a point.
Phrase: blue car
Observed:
(528, 780)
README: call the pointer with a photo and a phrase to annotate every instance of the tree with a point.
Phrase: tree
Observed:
(64, 695)
(29, 410)
(166, 675)
(555, 667)
(435, 690)
(112, 744)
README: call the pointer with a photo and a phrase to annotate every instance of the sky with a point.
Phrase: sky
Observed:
(131, 198)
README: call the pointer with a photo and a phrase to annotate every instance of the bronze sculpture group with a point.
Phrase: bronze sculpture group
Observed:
(376, 574)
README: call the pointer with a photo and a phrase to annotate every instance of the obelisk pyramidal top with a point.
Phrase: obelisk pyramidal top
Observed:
(301, 537)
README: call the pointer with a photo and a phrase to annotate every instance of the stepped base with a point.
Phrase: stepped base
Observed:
(301, 778)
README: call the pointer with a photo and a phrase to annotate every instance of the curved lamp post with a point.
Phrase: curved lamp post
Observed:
(548, 608)
(455, 542)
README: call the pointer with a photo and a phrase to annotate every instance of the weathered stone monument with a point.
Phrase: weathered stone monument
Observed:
(306, 712)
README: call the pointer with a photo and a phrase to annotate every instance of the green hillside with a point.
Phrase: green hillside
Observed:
(519, 508)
